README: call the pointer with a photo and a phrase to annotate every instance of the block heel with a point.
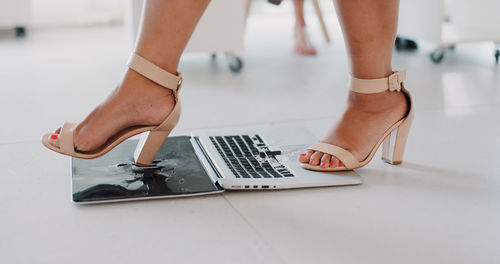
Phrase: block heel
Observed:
(151, 141)
(394, 144)
(148, 146)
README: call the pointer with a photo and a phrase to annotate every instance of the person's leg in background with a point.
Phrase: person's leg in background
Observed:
(166, 29)
(369, 28)
(302, 43)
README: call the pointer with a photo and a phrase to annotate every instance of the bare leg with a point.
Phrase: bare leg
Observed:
(167, 27)
(302, 43)
(369, 28)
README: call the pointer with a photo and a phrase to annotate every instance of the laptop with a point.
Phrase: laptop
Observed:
(205, 162)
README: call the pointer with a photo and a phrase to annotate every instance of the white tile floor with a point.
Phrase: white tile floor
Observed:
(440, 206)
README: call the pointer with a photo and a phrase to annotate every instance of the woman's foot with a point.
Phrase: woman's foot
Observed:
(367, 118)
(303, 45)
(136, 101)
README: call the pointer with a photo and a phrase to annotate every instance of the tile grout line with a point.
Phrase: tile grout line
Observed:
(254, 229)
(18, 142)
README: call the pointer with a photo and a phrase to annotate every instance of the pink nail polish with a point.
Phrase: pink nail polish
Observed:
(310, 162)
(54, 136)
(322, 165)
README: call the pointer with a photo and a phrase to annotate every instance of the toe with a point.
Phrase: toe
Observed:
(309, 50)
(316, 158)
(325, 161)
(334, 162)
(306, 156)
(53, 139)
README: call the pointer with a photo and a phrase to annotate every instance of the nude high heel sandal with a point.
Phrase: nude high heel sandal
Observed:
(151, 141)
(394, 139)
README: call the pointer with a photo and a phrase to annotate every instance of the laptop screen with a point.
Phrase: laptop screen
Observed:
(113, 177)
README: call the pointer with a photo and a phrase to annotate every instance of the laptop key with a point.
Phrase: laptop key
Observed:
(239, 152)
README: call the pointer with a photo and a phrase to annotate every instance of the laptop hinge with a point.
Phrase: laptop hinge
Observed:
(205, 160)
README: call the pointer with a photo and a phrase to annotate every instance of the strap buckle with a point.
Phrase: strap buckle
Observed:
(179, 83)
(395, 80)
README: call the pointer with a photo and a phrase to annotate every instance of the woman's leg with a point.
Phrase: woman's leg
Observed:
(299, 13)
(369, 28)
(302, 43)
(166, 29)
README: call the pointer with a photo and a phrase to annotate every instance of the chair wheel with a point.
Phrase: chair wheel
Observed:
(437, 55)
(236, 65)
(20, 32)
(235, 62)
(405, 44)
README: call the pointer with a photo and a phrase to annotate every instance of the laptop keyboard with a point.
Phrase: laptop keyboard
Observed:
(249, 157)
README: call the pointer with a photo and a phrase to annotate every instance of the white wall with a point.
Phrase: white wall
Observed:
(50, 13)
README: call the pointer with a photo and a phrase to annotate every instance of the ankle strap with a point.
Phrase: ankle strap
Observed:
(155, 73)
(368, 86)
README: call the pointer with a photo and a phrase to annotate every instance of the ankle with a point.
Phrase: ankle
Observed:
(299, 28)
(135, 83)
(378, 102)
(146, 102)
(368, 66)
(300, 23)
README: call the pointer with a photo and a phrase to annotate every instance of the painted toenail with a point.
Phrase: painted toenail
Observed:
(303, 154)
(322, 164)
(340, 163)
(311, 162)
(54, 136)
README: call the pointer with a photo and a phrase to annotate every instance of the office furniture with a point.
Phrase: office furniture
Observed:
(448, 23)
(15, 14)
(220, 29)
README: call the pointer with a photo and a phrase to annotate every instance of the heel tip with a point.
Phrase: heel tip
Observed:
(142, 164)
(397, 162)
